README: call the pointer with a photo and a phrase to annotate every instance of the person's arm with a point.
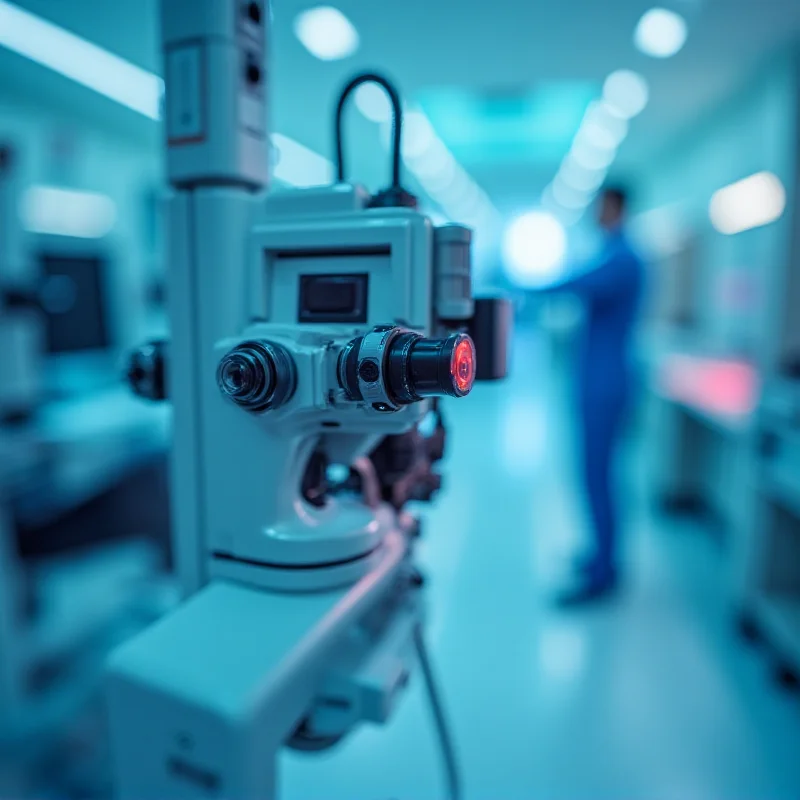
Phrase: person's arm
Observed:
(605, 279)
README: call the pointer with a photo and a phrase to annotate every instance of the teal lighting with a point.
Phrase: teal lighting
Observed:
(536, 125)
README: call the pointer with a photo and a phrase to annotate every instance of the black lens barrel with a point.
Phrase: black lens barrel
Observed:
(412, 368)
(430, 363)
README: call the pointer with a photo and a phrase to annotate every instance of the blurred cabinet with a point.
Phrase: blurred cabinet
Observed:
(767, 582)
(768, 560)
(724, 348)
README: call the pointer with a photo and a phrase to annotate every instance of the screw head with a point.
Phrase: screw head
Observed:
(369, 371)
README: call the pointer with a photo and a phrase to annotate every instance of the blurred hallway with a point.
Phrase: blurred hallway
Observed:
(649, 696)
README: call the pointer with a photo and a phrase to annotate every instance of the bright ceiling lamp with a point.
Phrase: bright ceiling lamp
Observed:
(372, 102)
(466, 205)
(534, 248)
(601, 128)
(577, 177)
(660, 33)
(326, 33)
(568, 196)
(298, 165)
(626, 93)
(418, 135)
(67, 212)
(749, 203)
(80, 60)
(591, 157)
(437, 169)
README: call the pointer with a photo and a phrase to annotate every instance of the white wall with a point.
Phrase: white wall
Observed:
(756, 130)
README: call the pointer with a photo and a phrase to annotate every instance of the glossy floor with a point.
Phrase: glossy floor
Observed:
(651, 696)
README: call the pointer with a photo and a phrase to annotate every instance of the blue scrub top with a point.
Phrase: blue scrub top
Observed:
(611, 289)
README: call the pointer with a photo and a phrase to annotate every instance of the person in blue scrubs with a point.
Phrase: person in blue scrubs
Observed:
(610, 290)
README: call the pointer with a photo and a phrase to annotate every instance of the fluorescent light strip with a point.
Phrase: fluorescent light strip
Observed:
(602, 131)
(298, 165)
(125, 83)
(749, 203)
(626, 93)
(326, 33)
(660, 33)
(80, 60)
(439, 174)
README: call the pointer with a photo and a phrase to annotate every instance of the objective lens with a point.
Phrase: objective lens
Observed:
(257, 375)
(241, 377)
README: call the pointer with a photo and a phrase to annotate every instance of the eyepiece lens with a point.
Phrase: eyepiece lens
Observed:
(257, 375)
(462, 366)
(421, 367)
(238, 376)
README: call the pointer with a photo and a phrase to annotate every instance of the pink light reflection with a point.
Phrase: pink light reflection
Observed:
(720, 386)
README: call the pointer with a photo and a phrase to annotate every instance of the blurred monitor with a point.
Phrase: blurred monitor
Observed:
(74, 300)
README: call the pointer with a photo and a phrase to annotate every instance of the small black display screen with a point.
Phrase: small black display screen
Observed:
(73, 298)
(333, 298)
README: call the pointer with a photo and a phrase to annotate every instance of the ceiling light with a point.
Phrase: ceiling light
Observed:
(326, 33)
(298, 165)
(67, 212)
(438, 218)
(591, 157)
(534, 248)
(372, 102)
(602, 128)
(418, 135)
(607, 116)
(749, 203)
(466, 204)
(568, 196)
(458, 187)
(626, 93)
(436, 174)
(80, 60)
(660, 33)
(578, 177)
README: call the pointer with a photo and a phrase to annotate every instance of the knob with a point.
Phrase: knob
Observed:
(257, 376)
(146, 371)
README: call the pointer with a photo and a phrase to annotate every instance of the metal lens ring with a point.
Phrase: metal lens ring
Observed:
(257, 375)
(372, 356)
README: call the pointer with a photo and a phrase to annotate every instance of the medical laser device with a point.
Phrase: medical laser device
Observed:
(310, 329)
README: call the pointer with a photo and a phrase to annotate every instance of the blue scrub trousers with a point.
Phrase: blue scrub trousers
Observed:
(602, 412)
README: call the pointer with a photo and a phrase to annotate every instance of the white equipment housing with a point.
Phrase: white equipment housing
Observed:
(301, 620)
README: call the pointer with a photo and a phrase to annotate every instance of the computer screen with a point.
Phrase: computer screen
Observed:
(73, 297)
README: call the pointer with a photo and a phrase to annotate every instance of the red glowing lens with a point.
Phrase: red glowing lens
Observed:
(462, 365)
